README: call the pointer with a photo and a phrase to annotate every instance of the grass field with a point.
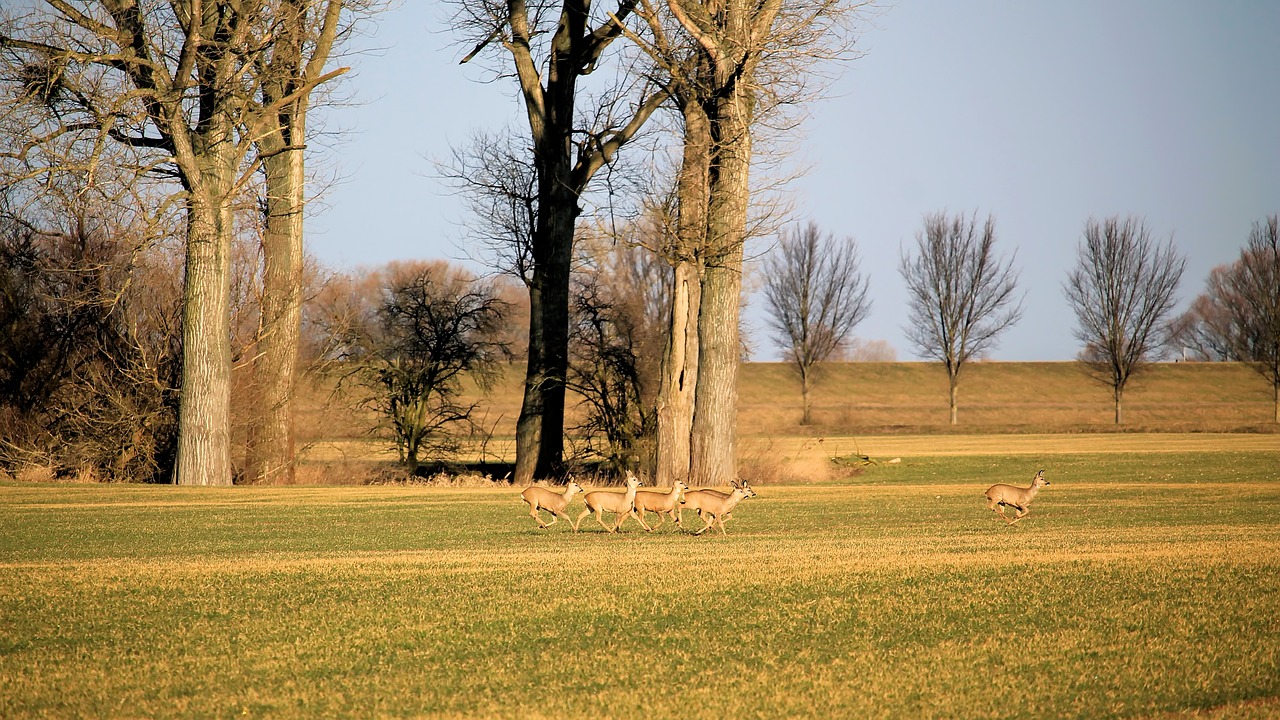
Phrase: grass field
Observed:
(1144, 583)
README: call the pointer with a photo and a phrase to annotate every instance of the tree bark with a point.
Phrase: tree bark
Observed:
(269, 456)
(204, 411)
(714, 431)
(679, 370)
(679, 377)
(719, 347)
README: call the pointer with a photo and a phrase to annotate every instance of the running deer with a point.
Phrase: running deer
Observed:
(540, 498)
(622, 504)
(998, 496)
(698, 495)
(662, 503)
(714, 506)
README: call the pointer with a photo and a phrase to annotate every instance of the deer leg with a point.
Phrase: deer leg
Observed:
(707, 525)
(533, 513)
(1021, 513)
(640, 519)
(584, 514)
(553, 519)
(600, 519)
(661, 519)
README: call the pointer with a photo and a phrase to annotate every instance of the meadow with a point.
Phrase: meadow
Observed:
(1144, 583)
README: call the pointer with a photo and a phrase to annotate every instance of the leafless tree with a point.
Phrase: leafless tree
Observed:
(433, 326)
(89, 339)
(1203, 332)
(731, 67)
(1251, 297)
(619, 299)
(961, 296)
(498, 183)
(550, 47)
(815, 296)
(177, 82)
(863, 350)
(1122, 289)
(306, 32)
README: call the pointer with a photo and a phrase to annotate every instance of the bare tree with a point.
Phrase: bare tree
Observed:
(306, 32)
(815, 296)
(1204, 331)
(433, 327)
(616, 338)
(961, 296)
(1122, 289)
(89, 339)
(551, 46)
(731, 67)
(174, 81)
(1253, 304)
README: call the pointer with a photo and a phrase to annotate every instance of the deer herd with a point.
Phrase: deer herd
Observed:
(713, 506)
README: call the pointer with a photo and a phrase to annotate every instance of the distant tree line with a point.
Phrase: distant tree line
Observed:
(962, 297)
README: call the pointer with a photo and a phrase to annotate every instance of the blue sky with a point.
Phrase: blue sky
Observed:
(1042, 114)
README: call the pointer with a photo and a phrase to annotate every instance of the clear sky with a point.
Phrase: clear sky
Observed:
(1042, 114)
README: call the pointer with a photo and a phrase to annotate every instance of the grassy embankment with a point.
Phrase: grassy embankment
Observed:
(862, 405)
(1143, 583)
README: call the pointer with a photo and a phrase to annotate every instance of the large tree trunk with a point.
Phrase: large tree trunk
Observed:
(555, 331)
(269, 456)
(716, 401)
(679, 370)
(204, 412)
(679, 377)
(540, 428)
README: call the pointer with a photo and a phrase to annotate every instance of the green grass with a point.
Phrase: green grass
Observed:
(1140, 584)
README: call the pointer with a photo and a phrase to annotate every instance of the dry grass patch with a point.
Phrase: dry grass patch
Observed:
(1140, 585)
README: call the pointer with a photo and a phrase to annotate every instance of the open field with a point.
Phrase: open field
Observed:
(1144, 583)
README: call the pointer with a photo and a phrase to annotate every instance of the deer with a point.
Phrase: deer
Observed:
(621, 504)
(998, 496)
(695, 502)
(714, 507)
(540, 498)
(662, 503)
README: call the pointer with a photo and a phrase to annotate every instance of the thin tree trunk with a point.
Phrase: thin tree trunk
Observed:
(954, 382)
(1119, 414)
(204, 411)
(269, 456)
(806, 382)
